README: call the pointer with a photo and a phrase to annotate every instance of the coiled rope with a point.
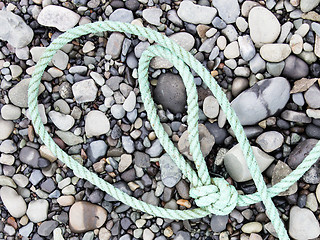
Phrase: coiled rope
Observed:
(211, 195)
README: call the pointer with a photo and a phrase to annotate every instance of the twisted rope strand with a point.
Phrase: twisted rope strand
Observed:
(181, 60)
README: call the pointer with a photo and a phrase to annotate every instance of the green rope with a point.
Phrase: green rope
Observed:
(211, 195)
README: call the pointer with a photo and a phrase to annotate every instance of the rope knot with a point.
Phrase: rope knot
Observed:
(220, 198)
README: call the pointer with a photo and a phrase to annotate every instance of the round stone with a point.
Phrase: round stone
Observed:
(270, 141)
(29, 156)
(6, 128)
(308, 228)
(152, 15)
(252, 227)
(85, 216)
(10, 112)
(264, 26)
(96, 123)
(38, 210)
(118, 111)
(312, 96)
(170, 92)
(295, 68)
(85, 91)
(211, 107)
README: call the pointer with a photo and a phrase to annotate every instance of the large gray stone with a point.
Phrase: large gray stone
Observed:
(262, 100)
(14, 30)
(196, 14)
(58, 17)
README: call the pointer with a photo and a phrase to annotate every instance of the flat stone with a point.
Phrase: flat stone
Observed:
(152, 15)
(60, 60)
(312, 96)
(228, 12)
(252, 227)
(98, 78)
(58, 17)
(26, 230)
(264, 26)
(294, 116)
(69, 138)
(211, 107)
(276, 52)
(62, 121)
(6, 128)
(170, 92)
(262, 100)
(13, 202)
(280, 171)
(206, 139)
(14, 30)
(141, 159)
(10, 112)
(270, 141)
(38, 210)
(18, 95)
(232, 50)
(7, 159)
(114, 45)
(121, 15)
(96, 123)
(196, 14)
(308, 5)
(155, 150)
(7, 181)
(247, 49)
(47, 227)
(236, 164)
(85, 91)
(308, 228)
(170, 173)
(295, 68)
(85, 216)
(118, 111)
(257, 64)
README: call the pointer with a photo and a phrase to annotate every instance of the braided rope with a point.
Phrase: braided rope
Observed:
(202, 186)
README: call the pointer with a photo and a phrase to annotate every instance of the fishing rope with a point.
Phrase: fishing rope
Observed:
(212, 195)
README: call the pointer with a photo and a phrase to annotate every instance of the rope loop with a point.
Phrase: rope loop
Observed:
(220, 198)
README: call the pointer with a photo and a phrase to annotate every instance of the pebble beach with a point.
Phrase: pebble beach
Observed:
(263, 54)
